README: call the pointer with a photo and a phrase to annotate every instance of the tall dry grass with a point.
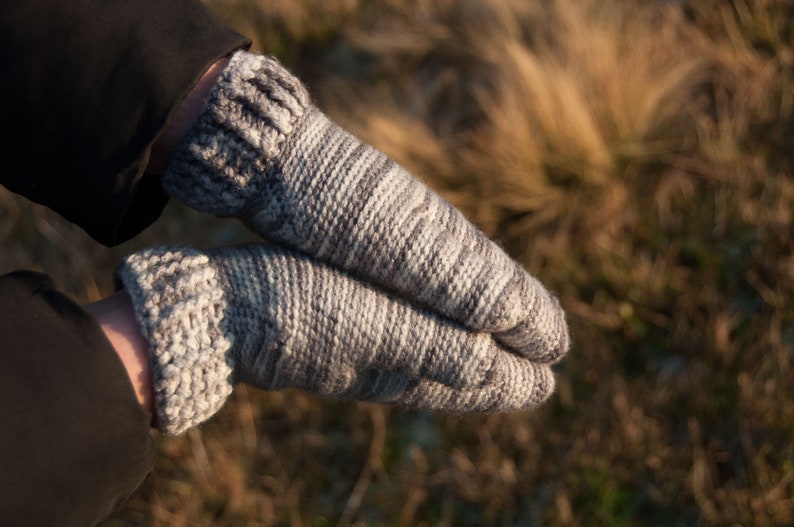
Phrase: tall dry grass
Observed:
(634, 155)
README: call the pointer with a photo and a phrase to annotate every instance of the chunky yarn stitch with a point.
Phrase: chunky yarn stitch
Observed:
(275, 319)
(263, 153)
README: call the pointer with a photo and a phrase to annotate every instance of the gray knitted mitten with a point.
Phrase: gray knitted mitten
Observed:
(273, 319)
(262, 152)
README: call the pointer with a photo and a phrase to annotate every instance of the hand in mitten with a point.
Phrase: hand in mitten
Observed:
(261, 152)
(276, 319)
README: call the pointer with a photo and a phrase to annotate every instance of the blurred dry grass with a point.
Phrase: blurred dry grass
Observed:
(634, 155)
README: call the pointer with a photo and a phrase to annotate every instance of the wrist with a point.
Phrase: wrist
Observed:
(183, 118)
(117, 320)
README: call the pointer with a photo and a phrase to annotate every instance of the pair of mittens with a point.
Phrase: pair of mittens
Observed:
(378, 290)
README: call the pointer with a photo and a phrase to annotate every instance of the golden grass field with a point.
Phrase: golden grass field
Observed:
(636, 156)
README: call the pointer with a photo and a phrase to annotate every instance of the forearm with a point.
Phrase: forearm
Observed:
(117, 319)
(114, 313)
(183, 118)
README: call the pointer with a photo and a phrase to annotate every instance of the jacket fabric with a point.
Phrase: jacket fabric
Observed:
(86, 87)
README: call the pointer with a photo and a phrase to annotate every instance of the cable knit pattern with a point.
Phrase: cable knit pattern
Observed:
(263, 153)
(274, 319)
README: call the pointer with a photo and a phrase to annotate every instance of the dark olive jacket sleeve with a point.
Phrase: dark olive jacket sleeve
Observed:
(86, 87)
(75, 442)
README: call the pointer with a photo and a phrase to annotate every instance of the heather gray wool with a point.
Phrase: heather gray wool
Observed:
(275, 319)
(263, 153)
(517, 384)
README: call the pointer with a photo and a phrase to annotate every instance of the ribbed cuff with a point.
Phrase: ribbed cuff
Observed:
(253, 107)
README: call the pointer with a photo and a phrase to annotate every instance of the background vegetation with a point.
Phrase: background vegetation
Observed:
(636, 157)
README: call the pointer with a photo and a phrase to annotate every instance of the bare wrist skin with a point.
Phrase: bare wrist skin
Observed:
(183, 118)
(117, 319)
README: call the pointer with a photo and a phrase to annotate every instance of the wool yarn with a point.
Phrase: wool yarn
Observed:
(263, 153)
(275, 319)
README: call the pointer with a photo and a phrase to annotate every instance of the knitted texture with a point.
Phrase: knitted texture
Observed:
(263, 153)
(517, 384)
(274, 319)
